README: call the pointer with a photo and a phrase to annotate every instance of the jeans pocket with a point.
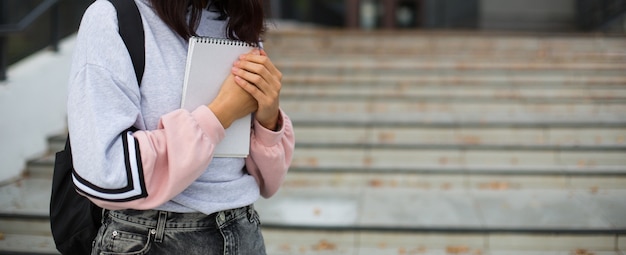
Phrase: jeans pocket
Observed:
(243, 236)
(123, 241)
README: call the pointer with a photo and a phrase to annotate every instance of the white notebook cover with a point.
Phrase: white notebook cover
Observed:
(209, 61)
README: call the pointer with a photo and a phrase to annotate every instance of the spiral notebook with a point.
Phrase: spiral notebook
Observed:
(209, 61)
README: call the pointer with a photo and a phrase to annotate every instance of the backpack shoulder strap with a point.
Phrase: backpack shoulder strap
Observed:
(132, 33)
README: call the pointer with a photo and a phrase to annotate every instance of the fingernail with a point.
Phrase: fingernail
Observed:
(238, 79)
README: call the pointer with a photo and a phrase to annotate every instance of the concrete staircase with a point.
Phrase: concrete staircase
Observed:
(451, 143)
(428, 143)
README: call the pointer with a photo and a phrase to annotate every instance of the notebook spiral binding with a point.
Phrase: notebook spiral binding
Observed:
(220, 41)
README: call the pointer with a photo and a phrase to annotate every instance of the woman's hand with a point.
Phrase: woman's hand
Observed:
(256, 74)
(232, 102)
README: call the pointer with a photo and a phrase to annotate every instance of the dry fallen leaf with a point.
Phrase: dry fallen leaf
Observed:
(317, 211)
(496, 185)
(313, 162)
(460, 249)
(443, 161)
(582, 252)
(324, 245)
(382, 245)
(598, 140)
(470, 140)
(376, 183)
(386, 137)
(368, 161)
(285, 247)
(393, 183)
(446, 186)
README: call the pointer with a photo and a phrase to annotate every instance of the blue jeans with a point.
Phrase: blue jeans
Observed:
(233, 232)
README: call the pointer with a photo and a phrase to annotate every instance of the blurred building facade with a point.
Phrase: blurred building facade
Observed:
(529, 15)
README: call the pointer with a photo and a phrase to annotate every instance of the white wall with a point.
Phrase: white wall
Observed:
(542, 15)
(32, 107)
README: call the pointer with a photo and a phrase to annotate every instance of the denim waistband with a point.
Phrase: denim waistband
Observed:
(153, 218)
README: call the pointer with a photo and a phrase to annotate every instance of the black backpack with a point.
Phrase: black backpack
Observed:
(74, 220)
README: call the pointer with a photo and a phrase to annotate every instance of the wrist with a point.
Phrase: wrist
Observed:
(273, 124)
(221, 114)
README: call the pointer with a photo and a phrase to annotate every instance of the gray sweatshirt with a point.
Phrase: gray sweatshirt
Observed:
(168, 162)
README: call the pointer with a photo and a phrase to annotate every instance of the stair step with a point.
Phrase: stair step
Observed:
(377, 231)
(337, 87)
(288, 242)
(608, 57)
(375, 42)
(20, 225)
(15, 244)
(460, 151)
(501, 81)
(435, 54)
(394, 113)
(377, 48)
(57, 143)
(399, 67)
(453, 159)
(26, 198)
(425, 95)
(310, 173)
(452, 79)
(456, 211)
(449, 137)
(369, 63)
(444, 180)
(486, 138)
(41, 168)
(474, 160)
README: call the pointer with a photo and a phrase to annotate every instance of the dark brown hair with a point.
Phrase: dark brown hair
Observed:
(245, 17)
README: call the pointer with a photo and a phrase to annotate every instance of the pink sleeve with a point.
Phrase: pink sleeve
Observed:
(270, 155)
(173, 156)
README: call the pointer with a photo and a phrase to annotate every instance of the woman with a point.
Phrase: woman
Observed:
(164, 191)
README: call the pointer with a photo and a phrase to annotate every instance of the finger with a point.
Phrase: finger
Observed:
(265, 103)
(250, 88)
(253, 68)
(252, 78)
(262, 60)
(272, 78)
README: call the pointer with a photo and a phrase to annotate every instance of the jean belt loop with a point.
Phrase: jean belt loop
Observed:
(220, 218)
(160, 230)
(250, 210)
(250, 213)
